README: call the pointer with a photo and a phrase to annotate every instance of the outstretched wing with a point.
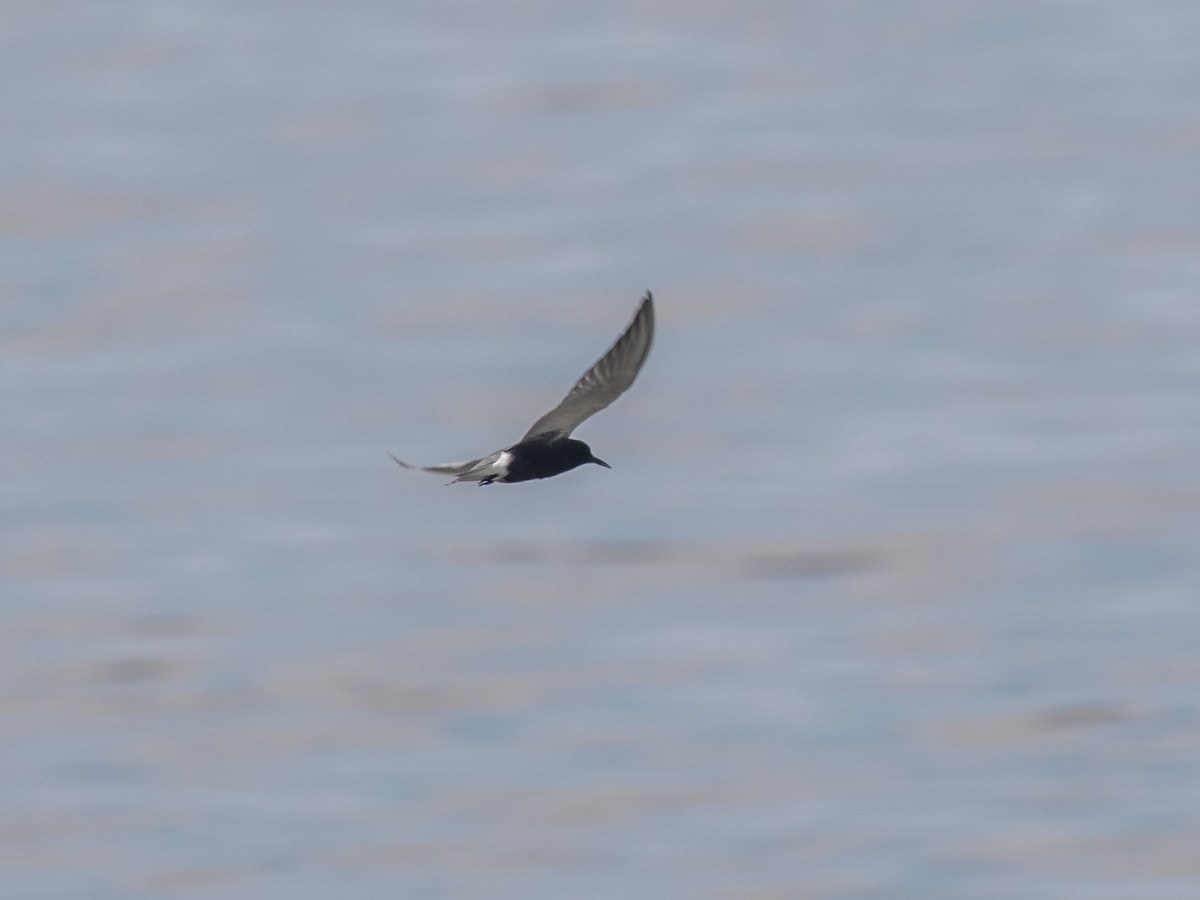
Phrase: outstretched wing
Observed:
(606, 380)
(456, 468)
(486, 469)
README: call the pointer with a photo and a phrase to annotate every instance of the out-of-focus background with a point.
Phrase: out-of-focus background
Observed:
(892, 589)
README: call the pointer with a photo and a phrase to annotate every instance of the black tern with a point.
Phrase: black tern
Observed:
(547, 448)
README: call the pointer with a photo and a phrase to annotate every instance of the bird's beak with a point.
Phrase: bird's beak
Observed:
(601, 462)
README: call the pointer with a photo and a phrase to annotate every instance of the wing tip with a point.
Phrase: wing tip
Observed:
(646, 308)
(401, 463)
(645, 313)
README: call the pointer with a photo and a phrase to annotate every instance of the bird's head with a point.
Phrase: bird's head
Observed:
(583, 453)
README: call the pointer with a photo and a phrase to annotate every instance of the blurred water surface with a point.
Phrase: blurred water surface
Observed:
(891, 592)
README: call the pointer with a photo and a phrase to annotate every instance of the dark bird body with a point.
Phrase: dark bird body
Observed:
(548, 449)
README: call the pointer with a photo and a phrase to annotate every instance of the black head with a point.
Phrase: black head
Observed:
(581, 453)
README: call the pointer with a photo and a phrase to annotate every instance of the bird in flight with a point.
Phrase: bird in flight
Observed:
(547, 448)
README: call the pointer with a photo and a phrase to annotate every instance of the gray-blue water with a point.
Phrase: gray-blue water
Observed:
(892, 590)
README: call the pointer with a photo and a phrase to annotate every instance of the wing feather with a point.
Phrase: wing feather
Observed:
(455, 468)
(608, 378)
